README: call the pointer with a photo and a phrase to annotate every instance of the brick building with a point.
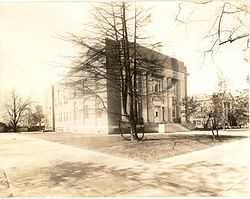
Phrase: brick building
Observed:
(76, 111)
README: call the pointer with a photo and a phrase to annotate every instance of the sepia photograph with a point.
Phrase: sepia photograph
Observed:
(124, 98)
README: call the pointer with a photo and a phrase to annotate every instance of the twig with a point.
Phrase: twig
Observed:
(234, 39)
(8, 183)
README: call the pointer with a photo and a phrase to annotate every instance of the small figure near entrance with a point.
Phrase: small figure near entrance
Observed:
(156, 116)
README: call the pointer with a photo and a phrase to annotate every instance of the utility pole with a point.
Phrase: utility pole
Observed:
(53, 107)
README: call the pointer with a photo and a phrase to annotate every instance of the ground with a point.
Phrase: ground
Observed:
(154, 147)
(56, 166)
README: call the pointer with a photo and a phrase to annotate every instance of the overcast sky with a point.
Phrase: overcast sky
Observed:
(31, 53)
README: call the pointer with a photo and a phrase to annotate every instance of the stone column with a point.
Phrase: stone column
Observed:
(170, 118)
(113, 85)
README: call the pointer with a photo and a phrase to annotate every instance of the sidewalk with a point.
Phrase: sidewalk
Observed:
(39, 168)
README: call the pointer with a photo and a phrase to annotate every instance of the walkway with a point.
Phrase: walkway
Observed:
(39, 168)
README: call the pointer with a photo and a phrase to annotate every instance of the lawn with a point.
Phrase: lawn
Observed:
(153, 147)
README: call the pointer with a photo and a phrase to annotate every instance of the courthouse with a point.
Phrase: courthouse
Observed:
(71, 110)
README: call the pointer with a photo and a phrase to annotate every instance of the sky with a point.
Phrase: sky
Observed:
(32, 56)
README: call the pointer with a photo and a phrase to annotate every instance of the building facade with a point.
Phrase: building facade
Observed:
(76, 111)
(207, 105)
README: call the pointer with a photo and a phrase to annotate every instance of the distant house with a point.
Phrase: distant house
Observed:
(78, 111)
(199, 119)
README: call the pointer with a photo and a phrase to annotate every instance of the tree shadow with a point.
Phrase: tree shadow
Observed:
(79, 179)
(73, 170)
(205, 179)
(76, 179)
(193, 137)
(152, 148)
(91, 179)
(79, 170)
(195, 179)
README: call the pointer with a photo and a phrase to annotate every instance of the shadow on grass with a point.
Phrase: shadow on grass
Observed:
(199, 138)
(152, 148)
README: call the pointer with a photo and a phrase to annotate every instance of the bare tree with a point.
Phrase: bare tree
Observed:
(229, 23)
(35, 116)
(112, 57)
(16, 108)
(191, 107)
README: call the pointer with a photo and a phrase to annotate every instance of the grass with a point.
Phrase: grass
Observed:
(154, 146)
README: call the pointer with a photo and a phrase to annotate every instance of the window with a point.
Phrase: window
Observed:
(163, 114)
(65, 99)
(169, 82)
(173, 112)
(86, 111)
(159, 85)
(60, 117)
(164, 84)
(74, 92)
(99, 113)
(156, 87)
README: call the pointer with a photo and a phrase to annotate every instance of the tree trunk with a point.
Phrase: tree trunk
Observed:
(14, 127)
